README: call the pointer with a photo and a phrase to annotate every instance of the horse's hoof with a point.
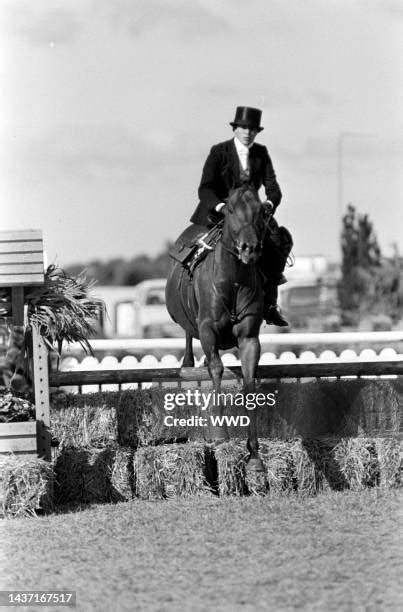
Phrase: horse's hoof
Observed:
(255, 464)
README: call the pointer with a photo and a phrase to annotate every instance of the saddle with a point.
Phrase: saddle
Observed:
(194, 244)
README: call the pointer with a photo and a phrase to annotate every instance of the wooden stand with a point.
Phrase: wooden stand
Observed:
(21, 265)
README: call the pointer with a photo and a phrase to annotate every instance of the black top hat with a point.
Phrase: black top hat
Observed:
(245, 116)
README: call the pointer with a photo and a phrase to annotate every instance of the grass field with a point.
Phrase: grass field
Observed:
(336, 551)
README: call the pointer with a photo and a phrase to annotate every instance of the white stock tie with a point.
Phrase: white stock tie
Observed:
(245, 159)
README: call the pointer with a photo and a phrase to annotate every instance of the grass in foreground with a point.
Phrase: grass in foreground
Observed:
(336, 551)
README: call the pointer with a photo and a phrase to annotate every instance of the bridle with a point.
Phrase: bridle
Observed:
(237, 251)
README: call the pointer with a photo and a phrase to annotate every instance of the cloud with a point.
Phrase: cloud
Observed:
(174, 16)
(99, 150)
(42, 22)
(392, 7)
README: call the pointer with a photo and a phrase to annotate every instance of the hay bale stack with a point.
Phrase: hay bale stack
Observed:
(338, 408)
(309, 466)
(94, 475)
(315, 409)
(171, 470)
(352, 463)
(26, 486)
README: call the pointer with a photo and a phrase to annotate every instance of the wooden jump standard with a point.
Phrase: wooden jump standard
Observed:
(276, 370)
(21, 265)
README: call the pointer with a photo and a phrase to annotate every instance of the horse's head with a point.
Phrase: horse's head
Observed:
(245, 224)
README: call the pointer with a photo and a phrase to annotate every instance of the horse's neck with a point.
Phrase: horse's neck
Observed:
(227, 264)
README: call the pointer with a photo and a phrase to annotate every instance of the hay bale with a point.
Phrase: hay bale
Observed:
(171, 470)
(355, 460)
(303, 454)
(83, 426)
(376, 409)
(338, 408)
(231, 460)
(26, 486)
(256, 483)
(389, 461)
(278, 462)
(94, 475)
(234, 479)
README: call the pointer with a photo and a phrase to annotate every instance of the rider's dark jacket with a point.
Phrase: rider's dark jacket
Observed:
(222, 172)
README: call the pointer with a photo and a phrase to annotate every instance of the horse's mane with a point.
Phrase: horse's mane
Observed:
(245, 194)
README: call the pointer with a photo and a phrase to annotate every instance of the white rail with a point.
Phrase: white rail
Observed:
(143, 345)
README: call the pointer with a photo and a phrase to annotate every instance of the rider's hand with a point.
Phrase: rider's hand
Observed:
(269, 208)
(220, 206)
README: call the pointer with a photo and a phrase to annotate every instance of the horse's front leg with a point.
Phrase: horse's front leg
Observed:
(208, 339)
(249, 349)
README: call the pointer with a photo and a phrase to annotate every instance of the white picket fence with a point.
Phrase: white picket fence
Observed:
(328, 355)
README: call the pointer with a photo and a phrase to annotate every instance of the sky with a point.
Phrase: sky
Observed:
(108, 109)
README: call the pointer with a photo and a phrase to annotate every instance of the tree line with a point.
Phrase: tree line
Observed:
(370, 284)
(120, 271)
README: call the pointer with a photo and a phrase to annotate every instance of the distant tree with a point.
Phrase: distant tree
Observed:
(361, 261)
(389, 287)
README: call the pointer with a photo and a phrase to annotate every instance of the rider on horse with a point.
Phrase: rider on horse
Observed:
(231, 164)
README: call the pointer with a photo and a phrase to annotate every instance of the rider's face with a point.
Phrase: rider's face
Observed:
(245, 135)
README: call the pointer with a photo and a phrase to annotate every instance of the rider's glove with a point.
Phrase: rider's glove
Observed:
(268, 209)
(220, 206)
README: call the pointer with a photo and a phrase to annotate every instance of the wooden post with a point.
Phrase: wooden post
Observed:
(41, 387)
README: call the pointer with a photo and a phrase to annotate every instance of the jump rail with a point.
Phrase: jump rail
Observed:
(266, 340)
(278, 370)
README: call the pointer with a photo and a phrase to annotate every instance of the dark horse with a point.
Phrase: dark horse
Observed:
(223, 304)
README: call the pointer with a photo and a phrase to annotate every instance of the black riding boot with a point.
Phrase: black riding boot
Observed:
(271, 311)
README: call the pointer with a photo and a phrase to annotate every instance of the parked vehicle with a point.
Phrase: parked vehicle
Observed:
(311, 306)
(135, 311)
